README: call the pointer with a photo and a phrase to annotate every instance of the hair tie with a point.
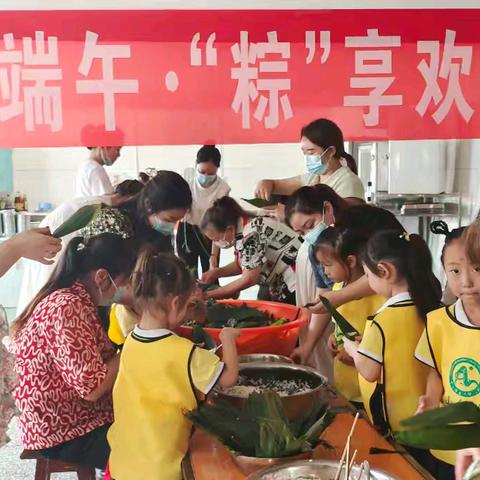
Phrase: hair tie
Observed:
(80, 247)
(406, 236)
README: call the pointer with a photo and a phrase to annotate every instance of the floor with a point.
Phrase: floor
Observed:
(12, 468)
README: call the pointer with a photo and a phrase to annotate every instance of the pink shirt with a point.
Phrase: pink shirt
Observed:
(61, 353)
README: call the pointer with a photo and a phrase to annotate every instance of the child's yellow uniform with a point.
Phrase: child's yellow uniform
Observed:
(390, 340)
(122, 322)
(450, 345)
(156, 384)
(356, 312)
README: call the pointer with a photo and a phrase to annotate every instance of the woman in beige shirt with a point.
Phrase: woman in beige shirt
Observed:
(323, 147)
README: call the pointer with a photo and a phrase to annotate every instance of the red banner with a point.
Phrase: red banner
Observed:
(190, 77)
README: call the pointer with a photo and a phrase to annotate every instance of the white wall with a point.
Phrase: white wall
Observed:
(49, 174)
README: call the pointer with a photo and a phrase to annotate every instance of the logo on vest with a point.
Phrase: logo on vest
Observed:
(465, 377)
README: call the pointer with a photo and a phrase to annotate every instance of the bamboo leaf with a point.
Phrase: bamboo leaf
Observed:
(80, 219)
(343, 324)
(450, 414)
(259, 202)
(202, 338)
(450, 437)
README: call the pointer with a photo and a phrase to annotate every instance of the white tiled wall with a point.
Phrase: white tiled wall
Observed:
(49, 174)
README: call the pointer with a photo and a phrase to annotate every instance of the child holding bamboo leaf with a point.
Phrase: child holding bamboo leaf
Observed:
(398, 267)
(161, 375)
(449, 345)
(339, 252)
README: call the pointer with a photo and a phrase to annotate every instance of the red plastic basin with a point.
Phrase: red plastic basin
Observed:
(280, 340)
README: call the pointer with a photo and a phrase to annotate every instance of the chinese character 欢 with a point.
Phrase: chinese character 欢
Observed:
(374, 70)
(108, 86)
(267, 91)
(447, 70)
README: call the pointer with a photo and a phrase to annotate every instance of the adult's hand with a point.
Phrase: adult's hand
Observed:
(264, 189)
(210, 276)
(301, 354)
(37, 244)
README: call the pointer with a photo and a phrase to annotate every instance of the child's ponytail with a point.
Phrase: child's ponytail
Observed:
(424, 287)
(412, 258)
(159, 275)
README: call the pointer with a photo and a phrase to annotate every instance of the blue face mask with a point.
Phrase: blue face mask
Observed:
(312, 236)
(165, 228)
(314, 163)
(205, 180)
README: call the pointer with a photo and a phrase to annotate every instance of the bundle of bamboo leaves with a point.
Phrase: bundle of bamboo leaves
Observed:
(261, 428)
(454, 427)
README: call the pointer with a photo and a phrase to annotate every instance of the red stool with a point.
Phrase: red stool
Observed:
(46, 466)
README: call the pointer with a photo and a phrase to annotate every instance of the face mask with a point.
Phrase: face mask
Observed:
(224, 243)
(315, 165)
(205, 180)
(312, 236)
(119, 295)
(165, 228)
(107, 302)
(106, 161)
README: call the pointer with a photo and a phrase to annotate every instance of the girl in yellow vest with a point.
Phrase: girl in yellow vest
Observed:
(398, 267)
(338, 251)
(161, 375)
(450, 342)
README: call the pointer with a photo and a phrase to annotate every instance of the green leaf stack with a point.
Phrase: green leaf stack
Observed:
(261, 428)
(80, 219)
(453, 427)
(260, 203)
(202, 338)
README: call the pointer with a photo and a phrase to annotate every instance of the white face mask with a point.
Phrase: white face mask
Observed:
(224, 243)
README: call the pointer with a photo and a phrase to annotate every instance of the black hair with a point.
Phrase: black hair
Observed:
(325, 133)
(209, 153)
(343, 242)
(367, 220)
(166, 191)
(105, 251)
(412, 258)
(310, 200)
(127, 188)
(158, 275)
(439, 227)
(224, 212)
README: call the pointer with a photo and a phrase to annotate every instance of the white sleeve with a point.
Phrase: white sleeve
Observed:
(99, 183)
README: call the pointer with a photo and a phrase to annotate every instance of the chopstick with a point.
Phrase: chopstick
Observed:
(346, 452)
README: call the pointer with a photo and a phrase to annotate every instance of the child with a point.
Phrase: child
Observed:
(338, 251)
(161, 375)
(398, 267)
(449, 345)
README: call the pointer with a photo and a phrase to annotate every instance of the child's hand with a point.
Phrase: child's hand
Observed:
(345, 358)
(229, 334)
(465, 458)
(332, 343)
(426, 403)
(211, 276)
(301, 354)
(350, 347)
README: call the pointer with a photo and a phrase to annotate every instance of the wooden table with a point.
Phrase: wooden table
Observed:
(210, 461)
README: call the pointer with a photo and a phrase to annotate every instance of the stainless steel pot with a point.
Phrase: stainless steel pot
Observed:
(263, 358)
(296, 404)
(23, 222)
(8, 222)
(316, 470)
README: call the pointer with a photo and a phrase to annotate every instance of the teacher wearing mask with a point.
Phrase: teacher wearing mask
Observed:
(92, 179)
(326, 162)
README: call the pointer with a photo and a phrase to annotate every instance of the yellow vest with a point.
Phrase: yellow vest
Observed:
(122, 321)
(150, 434)
(345, 376)
(455, 349)
(403, 378)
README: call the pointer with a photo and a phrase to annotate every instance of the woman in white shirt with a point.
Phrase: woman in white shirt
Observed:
(206, 187)
(92, 179)
(323, 147)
